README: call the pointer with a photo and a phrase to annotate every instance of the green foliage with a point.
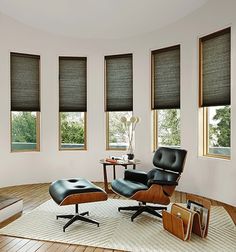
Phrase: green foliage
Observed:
(219, 133)
(169, 127)
(72, 129)
(24, 127)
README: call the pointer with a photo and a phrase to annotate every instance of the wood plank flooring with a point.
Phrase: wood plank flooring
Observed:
(36, 194)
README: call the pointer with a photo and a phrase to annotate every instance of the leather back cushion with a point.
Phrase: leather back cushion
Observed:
(170, 159)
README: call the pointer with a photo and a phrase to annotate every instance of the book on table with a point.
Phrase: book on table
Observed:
(110, 160)
(115, 160)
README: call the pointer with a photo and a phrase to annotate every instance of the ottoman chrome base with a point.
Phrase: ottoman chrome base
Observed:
(77, 216)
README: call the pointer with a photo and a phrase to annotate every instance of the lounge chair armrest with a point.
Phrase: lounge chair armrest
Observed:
(137, 176)
(161, 182)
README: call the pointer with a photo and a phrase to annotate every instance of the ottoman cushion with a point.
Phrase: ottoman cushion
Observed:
(76, 190)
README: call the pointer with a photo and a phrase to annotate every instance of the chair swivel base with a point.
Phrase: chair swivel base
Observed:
(143, 208)
(76, 217)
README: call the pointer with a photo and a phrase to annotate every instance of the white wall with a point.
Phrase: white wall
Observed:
(213, 178)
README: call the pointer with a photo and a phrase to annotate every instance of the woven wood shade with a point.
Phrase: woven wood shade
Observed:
(166, 78)
(25, 82)
(72, 84)
(119, 83)
(215, 67)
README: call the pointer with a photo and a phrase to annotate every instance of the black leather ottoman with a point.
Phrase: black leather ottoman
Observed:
(73, 192)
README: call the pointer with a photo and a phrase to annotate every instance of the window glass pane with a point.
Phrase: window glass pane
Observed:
(168, 127)
(117, 135)
(24, 135)
(72, 130)
(219, 130)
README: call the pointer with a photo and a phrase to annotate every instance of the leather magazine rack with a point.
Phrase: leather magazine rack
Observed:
(182, 222)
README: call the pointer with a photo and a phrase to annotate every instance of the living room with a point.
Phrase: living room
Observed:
(52, 34)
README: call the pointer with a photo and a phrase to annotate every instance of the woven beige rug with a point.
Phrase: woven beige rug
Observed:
(116, 231)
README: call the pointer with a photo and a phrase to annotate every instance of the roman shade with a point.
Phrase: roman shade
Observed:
(25, 82)
(72, 84)
(166, 78)
(215, 69)
(119, 83)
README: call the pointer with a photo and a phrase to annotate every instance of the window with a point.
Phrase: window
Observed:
(117, 138)
(217, 131)
(72, 102)
(214, 88)
(24, 131)
(167, 128)
(25, 102)
(118, 98)
(166, 97)
(72, 130)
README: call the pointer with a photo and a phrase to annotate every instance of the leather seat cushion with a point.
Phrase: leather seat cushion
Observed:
(127, 188)
(61, 189)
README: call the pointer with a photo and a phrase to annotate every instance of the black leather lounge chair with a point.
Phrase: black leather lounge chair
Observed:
(156, 186)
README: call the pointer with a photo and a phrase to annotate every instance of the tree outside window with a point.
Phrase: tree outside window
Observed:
(168, 121)
(24, 131)
(72, 130)
(219, 130)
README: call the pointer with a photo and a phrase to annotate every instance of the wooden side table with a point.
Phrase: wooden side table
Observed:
(124, 164)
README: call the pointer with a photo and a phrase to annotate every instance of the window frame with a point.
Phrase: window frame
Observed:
(155, 130)
(155, 111)
(60, 148)
(204, 113)
(38, 113)
(37, 149)
(107, 147)
(85, 135)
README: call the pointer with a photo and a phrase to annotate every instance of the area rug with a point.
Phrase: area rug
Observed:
(116, 231)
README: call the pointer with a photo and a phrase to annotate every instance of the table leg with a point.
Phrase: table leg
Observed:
(105, 177)
(114, 172)
(134, 166)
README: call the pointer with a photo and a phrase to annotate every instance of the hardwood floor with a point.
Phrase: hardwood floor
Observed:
(36, 194)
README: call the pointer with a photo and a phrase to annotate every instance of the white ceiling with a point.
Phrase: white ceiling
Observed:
(98, 18)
